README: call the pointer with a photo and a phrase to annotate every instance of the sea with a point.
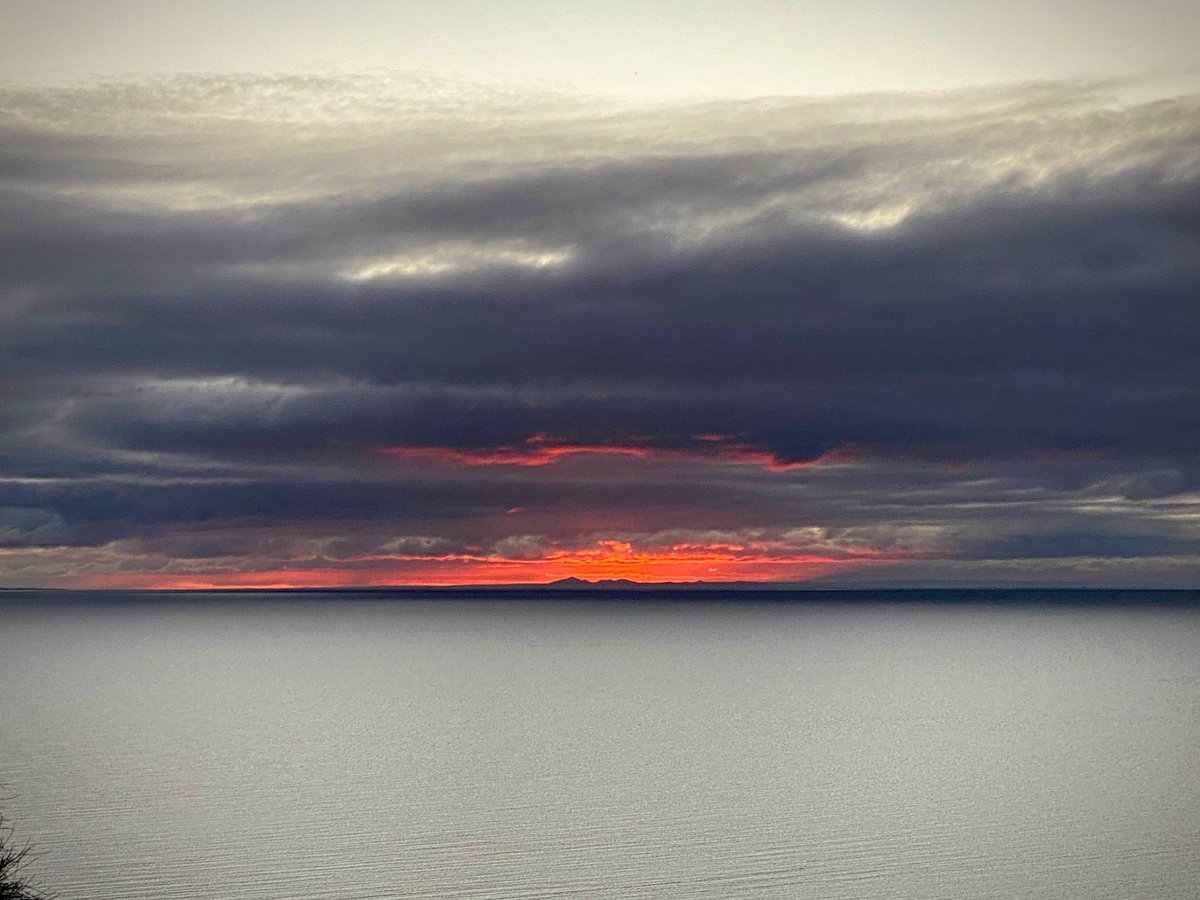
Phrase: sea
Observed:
(520, 744)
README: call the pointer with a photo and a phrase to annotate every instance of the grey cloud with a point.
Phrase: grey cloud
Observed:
(999, 279)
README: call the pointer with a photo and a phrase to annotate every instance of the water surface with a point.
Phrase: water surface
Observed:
(317, 746)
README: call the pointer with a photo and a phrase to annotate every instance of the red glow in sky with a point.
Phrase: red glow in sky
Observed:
(539, 450)
(605, 560)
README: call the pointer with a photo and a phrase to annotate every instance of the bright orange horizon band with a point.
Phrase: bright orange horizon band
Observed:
(610, 562)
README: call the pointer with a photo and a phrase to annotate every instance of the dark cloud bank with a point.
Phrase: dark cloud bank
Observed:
(268, 324)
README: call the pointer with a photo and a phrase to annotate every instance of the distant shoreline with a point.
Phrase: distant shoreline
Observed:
(634, 593)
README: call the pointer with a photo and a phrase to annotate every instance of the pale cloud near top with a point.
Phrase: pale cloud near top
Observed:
(241, 141)
(664, 49)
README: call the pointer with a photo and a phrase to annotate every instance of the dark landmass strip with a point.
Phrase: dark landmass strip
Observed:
(623, 591)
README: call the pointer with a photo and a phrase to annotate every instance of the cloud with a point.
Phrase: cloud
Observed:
(313, 309)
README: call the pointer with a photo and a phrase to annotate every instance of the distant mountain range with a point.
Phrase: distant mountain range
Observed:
(624, 584)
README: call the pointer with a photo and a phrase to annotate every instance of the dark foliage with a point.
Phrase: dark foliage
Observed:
(14, 860)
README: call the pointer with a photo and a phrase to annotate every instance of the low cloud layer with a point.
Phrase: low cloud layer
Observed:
(362, 330)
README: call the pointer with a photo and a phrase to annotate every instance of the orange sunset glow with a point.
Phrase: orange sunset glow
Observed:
(539, 450)
(606, 560)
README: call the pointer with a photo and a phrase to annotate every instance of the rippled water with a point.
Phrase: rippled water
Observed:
(305, 747)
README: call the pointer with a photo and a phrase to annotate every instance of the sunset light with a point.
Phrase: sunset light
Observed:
(539, 450)
(607, 559)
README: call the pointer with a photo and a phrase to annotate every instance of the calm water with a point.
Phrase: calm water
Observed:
(304, 747)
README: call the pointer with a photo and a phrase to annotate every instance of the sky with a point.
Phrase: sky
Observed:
(833, 293)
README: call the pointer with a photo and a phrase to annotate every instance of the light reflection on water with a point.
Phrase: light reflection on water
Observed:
(305, 748)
